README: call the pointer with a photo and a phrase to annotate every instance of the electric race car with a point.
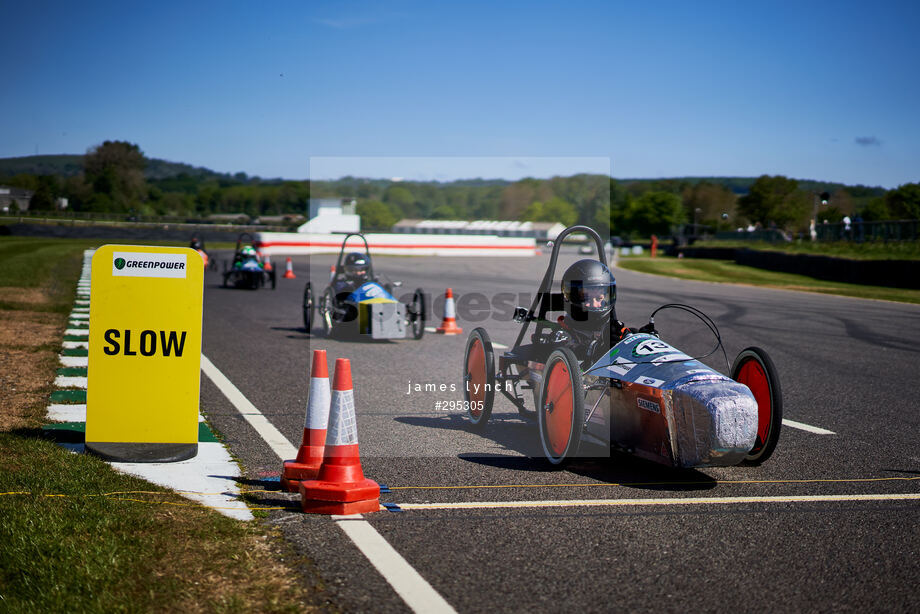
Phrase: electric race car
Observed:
(642, 396)
(357, 302)
(247, 269)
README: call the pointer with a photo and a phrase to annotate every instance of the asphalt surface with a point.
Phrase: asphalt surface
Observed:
(846, 365)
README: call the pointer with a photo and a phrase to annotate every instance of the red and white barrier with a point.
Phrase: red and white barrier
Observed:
(293, 244)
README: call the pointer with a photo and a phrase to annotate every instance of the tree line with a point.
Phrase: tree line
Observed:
(115, 178)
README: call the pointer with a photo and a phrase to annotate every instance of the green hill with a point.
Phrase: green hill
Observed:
(742, 185)
(63, 165)
(68, 165)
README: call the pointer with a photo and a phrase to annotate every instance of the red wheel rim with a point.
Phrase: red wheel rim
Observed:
(753, 376)
(559, 399)
(476, 369)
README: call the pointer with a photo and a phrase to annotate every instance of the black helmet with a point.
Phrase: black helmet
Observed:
(590, 292)
(356, 267)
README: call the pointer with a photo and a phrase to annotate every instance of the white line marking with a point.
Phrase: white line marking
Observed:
(209, 478)
(74, 345)
(272, 436)
(77, 332)
(69, 381)
(431, 329)
(74, 361)
(67, 413)
(408, 583)
(499, 346)
(807, 427)
(405, 580)
(671, 501)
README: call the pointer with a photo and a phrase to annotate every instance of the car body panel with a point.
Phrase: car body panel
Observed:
(668, 407)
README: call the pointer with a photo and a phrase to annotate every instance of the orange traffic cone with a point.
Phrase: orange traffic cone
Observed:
(310, 455)
(289, 270)
(267, 262)
(341, 487)
(449, 324)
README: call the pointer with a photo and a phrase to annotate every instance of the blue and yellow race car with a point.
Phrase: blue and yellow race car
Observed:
(358, 303)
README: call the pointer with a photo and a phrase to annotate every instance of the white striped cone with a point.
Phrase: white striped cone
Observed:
(340, 487)
(449, 324)
(289, 270)
(310, 455)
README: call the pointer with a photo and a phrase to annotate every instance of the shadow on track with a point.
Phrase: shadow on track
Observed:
(516, 435)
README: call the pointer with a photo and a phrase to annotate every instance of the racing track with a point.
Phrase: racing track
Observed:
(846, 365)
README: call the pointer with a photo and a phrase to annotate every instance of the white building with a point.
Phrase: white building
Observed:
(14, 196)
(328, 215)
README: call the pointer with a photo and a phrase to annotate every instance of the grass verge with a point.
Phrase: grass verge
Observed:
(75, 535)
(726, 271)
(867, 250)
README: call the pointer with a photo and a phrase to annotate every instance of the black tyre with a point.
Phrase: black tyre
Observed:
(561, 412)
(326, 311)
(479, 377)
(417, 314)
(754, 369)
(308, 306)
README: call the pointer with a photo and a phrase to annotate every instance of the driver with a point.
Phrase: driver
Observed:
(245, 254)
(590, 293)
(357, 268)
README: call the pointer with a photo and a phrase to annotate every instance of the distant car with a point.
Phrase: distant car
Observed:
(364, 308)
(586, 249)
(247, 269)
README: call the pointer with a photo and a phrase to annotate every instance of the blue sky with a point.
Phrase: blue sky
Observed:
(819, 90)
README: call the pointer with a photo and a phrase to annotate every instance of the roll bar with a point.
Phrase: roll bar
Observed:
(544, 295)
(367, 252)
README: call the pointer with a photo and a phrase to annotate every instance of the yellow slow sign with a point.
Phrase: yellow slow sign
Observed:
(144, 353)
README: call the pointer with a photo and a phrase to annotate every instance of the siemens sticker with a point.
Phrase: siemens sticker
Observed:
(141, 264)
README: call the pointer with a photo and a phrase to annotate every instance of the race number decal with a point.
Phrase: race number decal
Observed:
(651, 346)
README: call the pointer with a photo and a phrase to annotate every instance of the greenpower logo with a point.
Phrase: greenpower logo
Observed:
(149, 264)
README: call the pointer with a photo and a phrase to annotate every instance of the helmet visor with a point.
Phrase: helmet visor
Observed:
(356, 271)
(594, 297)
